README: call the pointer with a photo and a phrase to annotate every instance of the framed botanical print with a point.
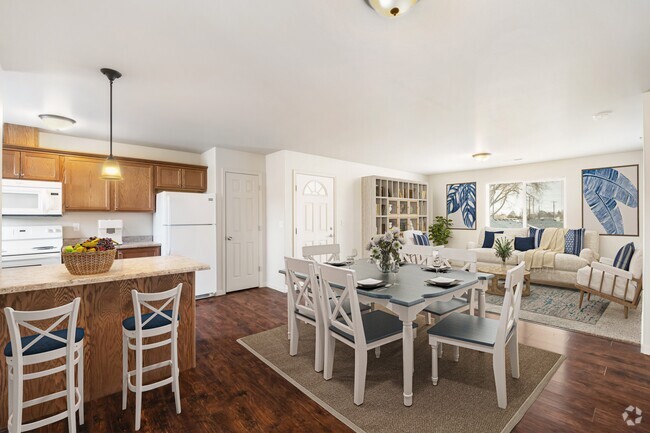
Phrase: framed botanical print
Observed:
(610, 200)
(461, 205)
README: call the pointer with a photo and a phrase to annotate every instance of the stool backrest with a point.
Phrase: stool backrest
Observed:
(303, 287)
(63, 316)
(321, 253)
(144, 301)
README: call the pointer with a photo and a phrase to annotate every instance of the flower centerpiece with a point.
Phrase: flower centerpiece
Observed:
(384, 250)
(503, 249)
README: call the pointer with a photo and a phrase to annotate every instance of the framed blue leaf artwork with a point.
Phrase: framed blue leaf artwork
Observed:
(461, 205)
(610, 200)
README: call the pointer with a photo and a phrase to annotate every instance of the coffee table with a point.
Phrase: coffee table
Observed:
(499, 272)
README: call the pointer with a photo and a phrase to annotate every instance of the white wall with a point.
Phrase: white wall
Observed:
(567, 169)
(135, 223)
(280, 169)
(645, 315)
(220, 161)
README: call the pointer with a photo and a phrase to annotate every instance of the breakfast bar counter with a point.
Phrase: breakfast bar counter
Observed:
(105, 302)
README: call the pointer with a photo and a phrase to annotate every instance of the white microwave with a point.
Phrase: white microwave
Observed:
(31, 197)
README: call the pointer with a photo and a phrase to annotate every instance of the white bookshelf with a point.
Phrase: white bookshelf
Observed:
(393, 203)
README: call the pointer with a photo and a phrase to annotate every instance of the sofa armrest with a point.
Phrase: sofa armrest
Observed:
(612, 270)
(471, 245)
(588, 255)
(607, 261)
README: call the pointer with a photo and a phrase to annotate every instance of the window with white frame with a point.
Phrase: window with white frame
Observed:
(522, 204)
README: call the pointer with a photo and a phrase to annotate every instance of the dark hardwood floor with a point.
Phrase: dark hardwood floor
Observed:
(232, 391)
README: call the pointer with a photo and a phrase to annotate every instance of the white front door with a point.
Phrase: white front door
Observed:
(313, 211)
(242, 231)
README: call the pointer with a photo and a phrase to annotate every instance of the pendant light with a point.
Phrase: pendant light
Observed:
(391, 8)
(111, 168)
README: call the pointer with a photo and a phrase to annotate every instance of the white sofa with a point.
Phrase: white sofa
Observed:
(566, 268)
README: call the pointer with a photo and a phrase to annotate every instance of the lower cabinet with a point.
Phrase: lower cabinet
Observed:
(133, 253)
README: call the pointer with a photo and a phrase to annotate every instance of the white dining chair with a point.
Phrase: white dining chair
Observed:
(486, 335)
(362, 332)
(161, 320)
(44, 346)
(418, 254)
(304, 304)
(321, 253)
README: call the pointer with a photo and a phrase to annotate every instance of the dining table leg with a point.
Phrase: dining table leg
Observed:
(481, 297)
(407, 354)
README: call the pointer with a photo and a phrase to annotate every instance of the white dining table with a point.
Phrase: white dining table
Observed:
(407, 294)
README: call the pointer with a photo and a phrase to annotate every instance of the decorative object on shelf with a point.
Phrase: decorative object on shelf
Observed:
(93, 256)
(56, 122)
(440, 231)
(461, 205)
(384, 250)
(391, 8)
(111, 168)
(610, 200)
(503, 248)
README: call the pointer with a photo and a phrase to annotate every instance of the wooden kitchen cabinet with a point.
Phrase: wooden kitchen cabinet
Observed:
(169, 177)
(10, 164)
(195, 179)
(135, 193)
(19, 135)
(83, 189)
(40, 166)
(132, 253)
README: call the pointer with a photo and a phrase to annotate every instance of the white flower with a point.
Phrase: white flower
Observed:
(388, 236)
(395, 230)
(397, 245)
(374, 251)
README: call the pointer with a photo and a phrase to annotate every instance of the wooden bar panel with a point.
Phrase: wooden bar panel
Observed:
(103, 307)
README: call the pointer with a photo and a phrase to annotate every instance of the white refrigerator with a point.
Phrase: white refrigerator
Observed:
(185, 225)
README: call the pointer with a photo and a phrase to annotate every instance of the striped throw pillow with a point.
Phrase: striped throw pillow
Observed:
(535, 233)
(420, 239)
(624, 257)
(573, 241)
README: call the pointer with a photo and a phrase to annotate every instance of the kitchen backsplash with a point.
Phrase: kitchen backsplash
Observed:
(125, 239)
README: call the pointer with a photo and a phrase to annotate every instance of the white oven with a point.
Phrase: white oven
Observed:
(31, 197)
(31, 246)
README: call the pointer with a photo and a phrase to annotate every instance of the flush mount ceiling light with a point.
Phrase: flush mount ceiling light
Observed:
(391, 8)
(111, 168)
(58, 123)
(602, 115)
(481, 156)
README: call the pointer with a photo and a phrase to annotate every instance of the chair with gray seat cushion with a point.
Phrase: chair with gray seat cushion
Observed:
(361, 332)
(485, 335)
(321, 253)
(439, 310)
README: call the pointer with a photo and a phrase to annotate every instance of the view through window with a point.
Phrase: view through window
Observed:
(519, 204)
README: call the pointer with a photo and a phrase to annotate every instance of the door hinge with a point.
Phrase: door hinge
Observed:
(296, 231)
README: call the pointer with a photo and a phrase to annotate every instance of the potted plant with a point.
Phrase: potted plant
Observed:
(384, 250)
(503, 249)
(440, 231)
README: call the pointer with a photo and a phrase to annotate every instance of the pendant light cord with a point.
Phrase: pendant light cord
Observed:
(111, 123)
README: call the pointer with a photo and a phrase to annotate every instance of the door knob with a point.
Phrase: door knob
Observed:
(229, 238)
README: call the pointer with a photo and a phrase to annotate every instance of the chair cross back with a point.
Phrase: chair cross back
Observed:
(417, 254)
(511, 302)
(335, 314)
(143, 301)
(17, 319)
(303, 291)
(329, 251)
(468, 258)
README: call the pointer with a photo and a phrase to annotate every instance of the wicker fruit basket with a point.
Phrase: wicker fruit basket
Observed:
(88, 263)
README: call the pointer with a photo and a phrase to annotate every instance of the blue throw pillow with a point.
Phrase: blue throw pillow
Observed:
(524, 244)
(624, 257)
(536, 233)
(573, 241)
(420, 239)
(488, 241)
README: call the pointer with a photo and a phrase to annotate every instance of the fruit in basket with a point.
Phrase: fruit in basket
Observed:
(91, 245)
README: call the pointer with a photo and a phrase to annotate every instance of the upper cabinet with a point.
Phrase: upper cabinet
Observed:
(135, 193)
(19, 135)
(179, 178)
(83, 189)
(31, 165)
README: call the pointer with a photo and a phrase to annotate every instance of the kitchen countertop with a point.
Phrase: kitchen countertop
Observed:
(28, 279)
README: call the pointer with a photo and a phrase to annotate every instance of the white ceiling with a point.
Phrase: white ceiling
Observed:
(518, 78)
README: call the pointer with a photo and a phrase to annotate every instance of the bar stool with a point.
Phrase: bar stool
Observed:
(45, 345)
(140, 326)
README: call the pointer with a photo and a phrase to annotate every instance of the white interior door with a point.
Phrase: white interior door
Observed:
(313, 211)
(242, 231)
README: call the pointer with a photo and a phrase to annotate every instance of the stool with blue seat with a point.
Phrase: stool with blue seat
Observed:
(46, 345)
(135, 329)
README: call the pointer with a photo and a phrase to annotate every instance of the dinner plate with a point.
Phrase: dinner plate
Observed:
(337, 263)
(434, 269)
(370, 283)
(442, 282)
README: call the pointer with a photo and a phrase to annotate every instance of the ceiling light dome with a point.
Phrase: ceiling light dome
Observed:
(391, 8)
(56, 122)
(482, 156)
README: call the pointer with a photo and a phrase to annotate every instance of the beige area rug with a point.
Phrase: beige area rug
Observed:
(612, 323)
(463, 401)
